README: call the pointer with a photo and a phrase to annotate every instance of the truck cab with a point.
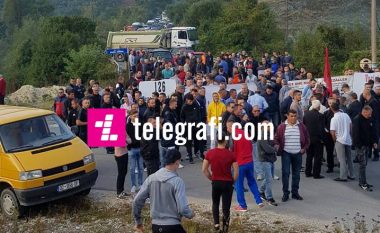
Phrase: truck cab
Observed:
(183, 37)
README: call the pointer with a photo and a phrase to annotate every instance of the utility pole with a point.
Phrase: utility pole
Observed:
(373, 34)
(287, 21)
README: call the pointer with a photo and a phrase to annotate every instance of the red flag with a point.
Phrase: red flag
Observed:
(327, 74)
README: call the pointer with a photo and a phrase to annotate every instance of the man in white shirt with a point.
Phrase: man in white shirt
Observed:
(307, 92)
(251, 78)
(340, 129)
(258, 100)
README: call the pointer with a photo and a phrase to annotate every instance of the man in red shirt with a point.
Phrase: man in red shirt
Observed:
(3, 88)
(182, 74)
(221, 161)
(243, 151)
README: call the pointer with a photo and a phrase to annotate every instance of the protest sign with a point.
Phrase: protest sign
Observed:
(166, 86)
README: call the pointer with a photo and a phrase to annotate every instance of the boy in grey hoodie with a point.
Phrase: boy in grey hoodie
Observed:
(267, 157)
(168, 202)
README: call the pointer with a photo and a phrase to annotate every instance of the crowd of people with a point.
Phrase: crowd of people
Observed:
(308, 121)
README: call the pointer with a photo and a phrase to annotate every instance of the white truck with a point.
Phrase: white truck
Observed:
(176, 37)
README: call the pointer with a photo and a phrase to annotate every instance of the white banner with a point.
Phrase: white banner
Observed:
(337, 82)
(166, 86)
(360, 79)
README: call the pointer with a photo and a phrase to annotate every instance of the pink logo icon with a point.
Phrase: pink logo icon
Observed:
(106, 127)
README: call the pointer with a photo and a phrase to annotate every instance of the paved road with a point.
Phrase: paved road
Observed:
(323, 199)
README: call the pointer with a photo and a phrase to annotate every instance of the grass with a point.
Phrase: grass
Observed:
(80, 214)
(356, 223)
(105, 215)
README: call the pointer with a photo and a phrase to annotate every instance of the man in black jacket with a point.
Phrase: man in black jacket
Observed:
(201, 99)
(369, 99)
(329, 143)
(313, 121)
(285, 105)
(272, 112)
(363, 142)
(95, 97)
(354, 107)
(169, 117)
(235, 114)
(157, 105)
(190, 113)
(120, 89)
(226, 115)
(150, 111)
(149, 149)
(203, 118)
(179, 93)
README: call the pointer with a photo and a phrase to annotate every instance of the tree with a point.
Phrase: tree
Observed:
(243, 25)
(19, 55)
(345, 48)
(58, 36)
(12, 15)
(38, 51)
(36, 8)
(308, 52)
(89, 63)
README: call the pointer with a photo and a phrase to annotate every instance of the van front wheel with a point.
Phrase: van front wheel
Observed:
(10, 206)
(85, 192)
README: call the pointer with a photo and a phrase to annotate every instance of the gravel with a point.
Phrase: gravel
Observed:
(102, 212)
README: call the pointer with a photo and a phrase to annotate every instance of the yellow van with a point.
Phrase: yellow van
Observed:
(41, 160)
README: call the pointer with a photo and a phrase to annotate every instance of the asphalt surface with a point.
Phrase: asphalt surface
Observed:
(324, 199)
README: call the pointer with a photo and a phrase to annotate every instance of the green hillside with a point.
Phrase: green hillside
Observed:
(306, 15)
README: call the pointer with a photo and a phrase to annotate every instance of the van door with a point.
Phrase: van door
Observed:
(179, 38)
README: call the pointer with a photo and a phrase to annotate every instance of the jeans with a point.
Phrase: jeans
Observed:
(343, 153)
(266, 185)
(189, 143)
(274, 117)
(167, 229)
(246, 171)
(225, 190)
(214, 139)
(314, 152)
(136, 161)
(208, 69)
(122, 169)
(295, 161)
(361, 154)
(257, 163)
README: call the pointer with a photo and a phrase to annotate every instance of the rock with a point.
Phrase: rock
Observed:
(32, 96)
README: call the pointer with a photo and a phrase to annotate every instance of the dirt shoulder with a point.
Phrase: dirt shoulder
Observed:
(102, 212)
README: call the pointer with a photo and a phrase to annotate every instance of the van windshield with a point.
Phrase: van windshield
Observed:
(163, 54)
(193, 35)
(34, 133)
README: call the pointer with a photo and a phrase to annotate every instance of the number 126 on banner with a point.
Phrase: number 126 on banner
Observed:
(166, 86)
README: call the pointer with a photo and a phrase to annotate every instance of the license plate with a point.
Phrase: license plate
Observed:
(68, 186)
